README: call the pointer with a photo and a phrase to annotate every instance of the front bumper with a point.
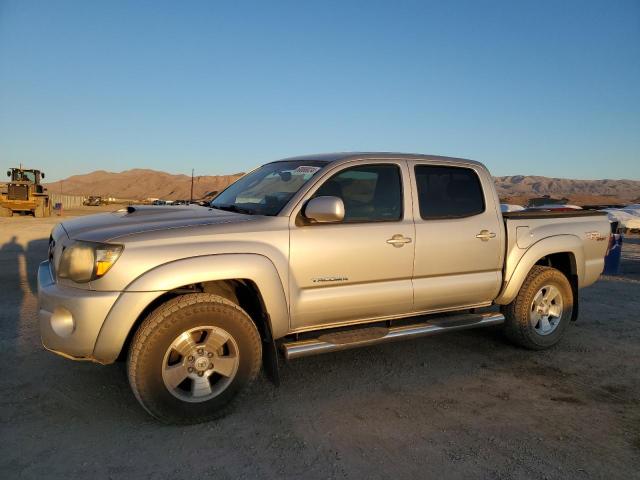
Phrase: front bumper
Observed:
(70, 318)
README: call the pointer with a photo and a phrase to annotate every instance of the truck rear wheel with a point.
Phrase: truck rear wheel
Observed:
(192, 357)
(541, 312)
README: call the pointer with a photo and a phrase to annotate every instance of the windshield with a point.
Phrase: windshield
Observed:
(23, 176)
(266, 190)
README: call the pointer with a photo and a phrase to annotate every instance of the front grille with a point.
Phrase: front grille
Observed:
(56, 247)
(18, 192)
(50, 255)
(52, 246)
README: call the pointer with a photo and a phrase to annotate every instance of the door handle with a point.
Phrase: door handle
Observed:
(485, 235)
(398, 240)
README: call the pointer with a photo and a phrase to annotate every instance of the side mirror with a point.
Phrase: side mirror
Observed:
(8, 173)
(325, 209)
(42, 174)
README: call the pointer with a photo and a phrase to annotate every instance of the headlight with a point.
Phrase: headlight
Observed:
(86, 261)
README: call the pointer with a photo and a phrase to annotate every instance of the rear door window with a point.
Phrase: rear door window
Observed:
(448, 192)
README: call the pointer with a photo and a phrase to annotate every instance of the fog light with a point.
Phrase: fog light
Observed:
(62, 322)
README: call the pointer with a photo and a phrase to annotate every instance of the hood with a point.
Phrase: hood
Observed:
(103, 227)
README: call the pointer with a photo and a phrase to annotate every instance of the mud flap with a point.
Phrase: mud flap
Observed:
(576, 303)
(270, 361)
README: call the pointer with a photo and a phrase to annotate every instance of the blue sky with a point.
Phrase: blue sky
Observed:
(540, 87)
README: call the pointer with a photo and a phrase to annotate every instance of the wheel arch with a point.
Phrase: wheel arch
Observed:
(563, 252)
(250, 280)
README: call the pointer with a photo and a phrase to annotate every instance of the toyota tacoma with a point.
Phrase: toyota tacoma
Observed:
(303, 256)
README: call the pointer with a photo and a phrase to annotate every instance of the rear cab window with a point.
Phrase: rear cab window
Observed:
(448, 192)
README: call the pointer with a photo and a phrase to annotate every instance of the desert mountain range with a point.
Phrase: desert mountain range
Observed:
(140, 184)
(518, 189)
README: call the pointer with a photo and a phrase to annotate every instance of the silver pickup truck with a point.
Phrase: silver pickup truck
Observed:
(303, 256)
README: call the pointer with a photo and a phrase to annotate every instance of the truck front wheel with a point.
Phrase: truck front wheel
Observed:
(192, 357)
(541, 312)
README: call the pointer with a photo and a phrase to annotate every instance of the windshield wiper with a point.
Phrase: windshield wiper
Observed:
(234, 208)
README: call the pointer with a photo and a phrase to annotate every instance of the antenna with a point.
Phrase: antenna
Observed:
(191, 197)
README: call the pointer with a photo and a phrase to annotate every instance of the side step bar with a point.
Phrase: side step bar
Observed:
(362, 337)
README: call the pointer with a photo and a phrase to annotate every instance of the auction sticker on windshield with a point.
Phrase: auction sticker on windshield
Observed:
(304, 170)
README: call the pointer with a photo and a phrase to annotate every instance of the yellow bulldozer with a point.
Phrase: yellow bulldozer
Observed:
(24, 193)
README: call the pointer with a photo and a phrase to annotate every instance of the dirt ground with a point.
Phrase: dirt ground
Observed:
(462, 405)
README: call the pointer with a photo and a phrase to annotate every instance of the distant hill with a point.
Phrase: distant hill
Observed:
(140, 184)
(519, 188)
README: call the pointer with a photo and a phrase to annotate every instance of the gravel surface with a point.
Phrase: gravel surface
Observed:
(462, 405)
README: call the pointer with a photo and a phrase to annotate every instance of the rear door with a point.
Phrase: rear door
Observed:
(459, 236)
(359, 268)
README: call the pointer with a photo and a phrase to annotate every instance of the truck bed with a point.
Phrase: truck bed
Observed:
(528, 229)
(535, 214)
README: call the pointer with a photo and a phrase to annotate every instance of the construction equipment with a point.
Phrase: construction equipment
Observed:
(92, 201)
(24, 193)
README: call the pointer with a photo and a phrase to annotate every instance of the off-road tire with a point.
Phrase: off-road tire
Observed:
(161, 327)
(518, 327)
(41, 210)
(6, 212)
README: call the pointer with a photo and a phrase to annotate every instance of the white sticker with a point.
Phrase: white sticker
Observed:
(306, 170)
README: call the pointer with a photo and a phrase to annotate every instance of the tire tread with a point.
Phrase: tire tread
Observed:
(167, 315)
(516, 326)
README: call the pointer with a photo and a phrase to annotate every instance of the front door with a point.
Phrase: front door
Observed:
(360, 268)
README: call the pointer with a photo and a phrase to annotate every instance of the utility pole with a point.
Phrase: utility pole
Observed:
(60, 202)
(191, 197)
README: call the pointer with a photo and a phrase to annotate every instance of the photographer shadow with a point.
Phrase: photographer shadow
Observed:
(18, 290)
(13, 288)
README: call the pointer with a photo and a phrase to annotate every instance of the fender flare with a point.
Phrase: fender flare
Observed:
(166, 277)
(547, 246)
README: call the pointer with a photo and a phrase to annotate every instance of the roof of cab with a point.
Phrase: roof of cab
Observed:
(340, 156)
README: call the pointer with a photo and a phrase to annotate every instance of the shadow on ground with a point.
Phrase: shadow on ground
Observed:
(18, 280)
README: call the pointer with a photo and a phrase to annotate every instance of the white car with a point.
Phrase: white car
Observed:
(626, 217)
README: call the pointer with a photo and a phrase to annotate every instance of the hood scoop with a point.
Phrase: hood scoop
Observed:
(153, 210)
(137, 219)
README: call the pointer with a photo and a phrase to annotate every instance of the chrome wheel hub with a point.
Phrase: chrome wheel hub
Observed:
(200, 364)
(546, 310)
